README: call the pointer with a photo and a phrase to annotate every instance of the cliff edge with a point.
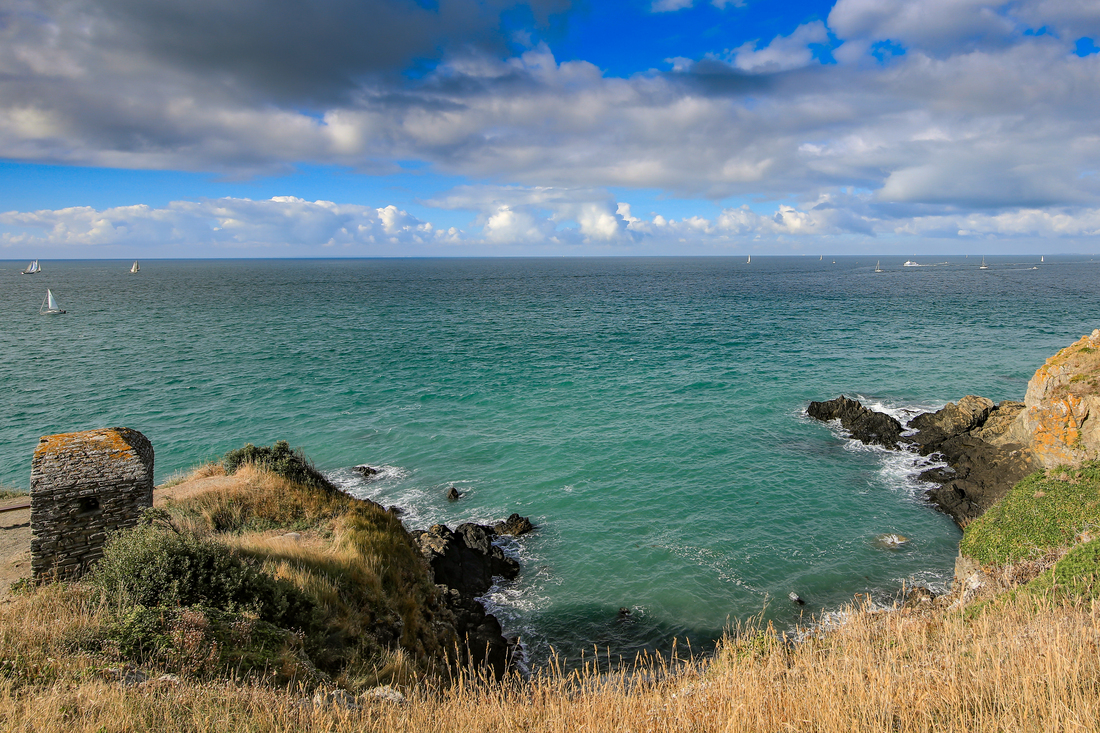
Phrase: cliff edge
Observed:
(1060, 422)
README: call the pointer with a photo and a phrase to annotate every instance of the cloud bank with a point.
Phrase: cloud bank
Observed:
(944, 118)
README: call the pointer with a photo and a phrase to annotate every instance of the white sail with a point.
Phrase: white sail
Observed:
(49, 304)
(1042, 258)
(32, 268)
(134, 267)
(749, 260)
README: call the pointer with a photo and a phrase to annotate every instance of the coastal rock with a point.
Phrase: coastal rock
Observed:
(953, 419)
(866, 426)
(514, 525)
(919, 597)
(981, 474)
(366, 471)
(453, 494)
(464, 559)
(480, 632)
(1060, 422)
(999, 422)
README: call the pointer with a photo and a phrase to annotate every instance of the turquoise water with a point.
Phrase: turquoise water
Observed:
(646, 413)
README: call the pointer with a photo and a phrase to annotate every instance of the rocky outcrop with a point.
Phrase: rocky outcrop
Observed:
(514, 525)
(866, 426)
(979, 471)
(464, 563)
(1060, 422)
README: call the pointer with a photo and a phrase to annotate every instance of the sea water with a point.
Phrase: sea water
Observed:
(647, 414)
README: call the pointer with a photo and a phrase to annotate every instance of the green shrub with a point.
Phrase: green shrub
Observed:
(1046, 510)
(1078, 572)
(156, 565)
(200, 640)
(279, 458)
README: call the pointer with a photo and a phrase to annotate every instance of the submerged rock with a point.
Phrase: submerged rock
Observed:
(866, 426)
(366, 471)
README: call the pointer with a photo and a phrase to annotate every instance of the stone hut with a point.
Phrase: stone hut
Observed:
(84, 486)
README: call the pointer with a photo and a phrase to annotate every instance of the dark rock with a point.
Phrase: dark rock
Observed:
(367, 471)
(481, 639)
(953, 419)
(465, 559)
(983, 473)
(453, 494)
(395, 511)
(939, 475)
(866, 426)
(514, 525)
(999, 421)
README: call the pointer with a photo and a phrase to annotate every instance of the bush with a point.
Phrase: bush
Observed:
(279, 458)
(156, 565)
(206, 641)
(1078, 572)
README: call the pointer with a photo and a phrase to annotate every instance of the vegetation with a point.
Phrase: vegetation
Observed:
(217, 590)
(1047, 510)
(279, 459)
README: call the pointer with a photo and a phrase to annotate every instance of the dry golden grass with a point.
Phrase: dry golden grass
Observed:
(350, 555)
(1024, 667)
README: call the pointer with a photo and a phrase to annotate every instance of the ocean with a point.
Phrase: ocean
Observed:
(646, 413)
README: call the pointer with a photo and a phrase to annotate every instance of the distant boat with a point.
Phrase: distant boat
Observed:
(32, 269)
(49, 305)
(983, 266)
(134, 267)
(878, 266)
(910, 263)
(820, 258)
(1042, 258)
(749, 260)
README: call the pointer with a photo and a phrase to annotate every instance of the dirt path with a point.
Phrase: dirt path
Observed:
(15, 527)
(15, 544)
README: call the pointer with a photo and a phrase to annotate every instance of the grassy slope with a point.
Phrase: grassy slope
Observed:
(1028, 664)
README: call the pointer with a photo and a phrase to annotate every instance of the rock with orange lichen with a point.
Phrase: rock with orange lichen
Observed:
(1060, 421)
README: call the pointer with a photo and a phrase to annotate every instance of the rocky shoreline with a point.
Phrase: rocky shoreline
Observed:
(981, 468)
(464, 563)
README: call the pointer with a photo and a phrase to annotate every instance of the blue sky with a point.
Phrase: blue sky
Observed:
(550, 127)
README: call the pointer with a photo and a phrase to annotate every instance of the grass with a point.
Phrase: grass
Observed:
(1025, 667)
(381, 614)
(1047, 510)
(8, 492)
(1025, 660)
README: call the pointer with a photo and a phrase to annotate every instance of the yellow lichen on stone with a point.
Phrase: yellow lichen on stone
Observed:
(1060, 399)
(109, 439)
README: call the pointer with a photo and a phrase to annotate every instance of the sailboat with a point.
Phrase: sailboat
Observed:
(32, 269)
(749, 260)
(878, 266)
(134, 267)
(1042, 258)
(49, 305)
(983, 266)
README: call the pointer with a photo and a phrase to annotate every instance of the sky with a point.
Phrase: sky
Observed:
(365, 128)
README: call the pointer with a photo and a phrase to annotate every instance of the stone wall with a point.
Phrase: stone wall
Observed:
(84, 486)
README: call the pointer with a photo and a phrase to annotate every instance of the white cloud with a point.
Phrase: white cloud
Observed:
(670, 6)
(974, 119)
(784, 52)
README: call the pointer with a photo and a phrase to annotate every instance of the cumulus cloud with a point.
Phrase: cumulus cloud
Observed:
(975, 115)
(784, 52)
(280, 225)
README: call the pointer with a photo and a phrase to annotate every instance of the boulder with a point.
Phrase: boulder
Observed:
(366, 471)
(483, 642)
(514, 525)
(866, 426)
(453, 494)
